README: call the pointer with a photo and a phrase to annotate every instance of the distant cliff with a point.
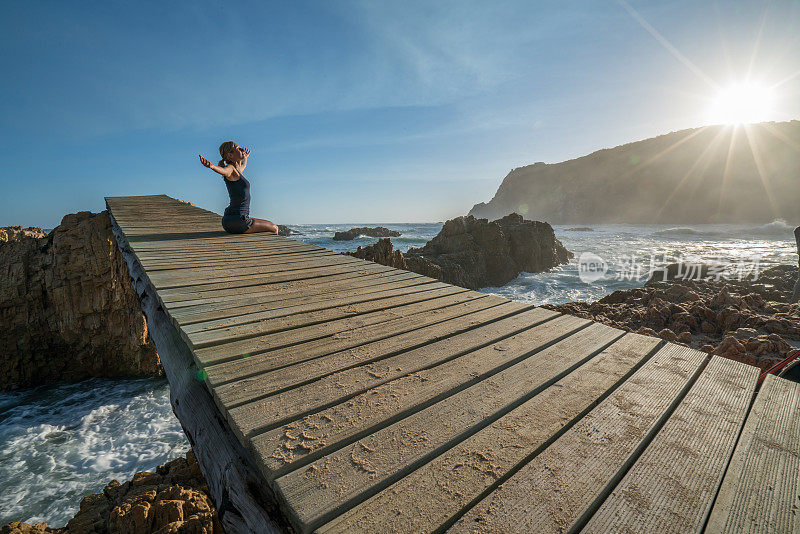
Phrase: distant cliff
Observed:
(710, 174)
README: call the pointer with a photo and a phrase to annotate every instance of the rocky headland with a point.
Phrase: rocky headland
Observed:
(748, 321)
(475, 253)
(173, 499)
(378, 231)
(68, 308)
(659, 180)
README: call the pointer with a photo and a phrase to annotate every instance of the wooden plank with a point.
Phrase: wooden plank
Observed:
(332, 485)
(410, 331)
(182, 276)
(244, 258)
(257, 283)
(267, 278)
(389, 358)
(299, 442)
(461, 475)
(672, 486)
(199, 310)
(341, 329)
(198, 337)
(554, 491)
(271, 310)
(197, 300)
(761, 489)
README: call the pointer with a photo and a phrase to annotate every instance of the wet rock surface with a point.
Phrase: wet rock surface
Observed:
(286, 231)
(173, 499)
(378, 231)
(475, 253)
(748, 321)
(68, 307)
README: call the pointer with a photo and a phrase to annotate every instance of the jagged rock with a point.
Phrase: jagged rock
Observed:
(68, 307)
(751, 322)
(286, 231)
(383, 252)
(18, 233)
(174, 499)
(378, 231)
(475, 253)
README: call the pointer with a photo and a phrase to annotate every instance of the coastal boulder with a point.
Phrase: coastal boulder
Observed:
(69, 309)
(378, 231)
(475, 253)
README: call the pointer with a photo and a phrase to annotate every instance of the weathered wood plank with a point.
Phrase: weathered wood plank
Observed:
(416, 329)
(459, 476)
(368, 301)
(299, 442)
(182, 276)
(267, 278)
(198, 337)
(554, 491)
(331, 485)
(672, 486)
(761, 488)
(340, 329)
(388, 359)
(200, 310)
(240, 259)
(257, 283)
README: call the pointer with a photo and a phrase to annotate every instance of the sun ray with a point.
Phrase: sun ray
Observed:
(753, 144)
(664, 152)
(711, 147)
(669, 46)
(726, 172)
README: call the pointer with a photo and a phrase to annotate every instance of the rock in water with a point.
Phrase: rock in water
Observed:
(378, 231)
(69, 309)
(475, 253)
(286, 231)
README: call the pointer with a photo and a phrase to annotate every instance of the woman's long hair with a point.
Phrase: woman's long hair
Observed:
(224, 148)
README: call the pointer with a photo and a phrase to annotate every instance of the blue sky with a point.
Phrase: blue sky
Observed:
(356, 111)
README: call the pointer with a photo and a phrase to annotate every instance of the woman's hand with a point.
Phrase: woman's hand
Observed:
(205, 162)
(246, 153)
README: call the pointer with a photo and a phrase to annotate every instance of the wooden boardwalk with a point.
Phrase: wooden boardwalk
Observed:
(377, 400)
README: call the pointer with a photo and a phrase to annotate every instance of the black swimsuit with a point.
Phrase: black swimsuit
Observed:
(236, 219)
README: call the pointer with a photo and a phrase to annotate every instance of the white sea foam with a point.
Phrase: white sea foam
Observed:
(775, 228)
(60, 443)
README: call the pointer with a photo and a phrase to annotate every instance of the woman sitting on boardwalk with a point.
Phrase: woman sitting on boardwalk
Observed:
(236, 219)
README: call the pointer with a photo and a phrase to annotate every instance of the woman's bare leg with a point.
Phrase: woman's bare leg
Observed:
(262, 225)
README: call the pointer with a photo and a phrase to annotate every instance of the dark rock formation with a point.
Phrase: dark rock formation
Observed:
(174, 499)
(378, 231)
(752, 322)
(658, 180)
(383, 252)
(475, 253)
(286, 231)
(68, 308)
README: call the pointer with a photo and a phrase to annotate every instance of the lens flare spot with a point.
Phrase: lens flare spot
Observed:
(522, 209)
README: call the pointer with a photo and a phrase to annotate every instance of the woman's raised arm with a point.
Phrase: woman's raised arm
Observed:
(224, 171)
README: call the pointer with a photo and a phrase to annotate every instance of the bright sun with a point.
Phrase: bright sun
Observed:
(742, 103)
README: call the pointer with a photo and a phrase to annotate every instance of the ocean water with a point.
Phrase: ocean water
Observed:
(62, 442)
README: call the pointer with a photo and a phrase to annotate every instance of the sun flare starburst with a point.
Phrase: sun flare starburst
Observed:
(742, 103)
